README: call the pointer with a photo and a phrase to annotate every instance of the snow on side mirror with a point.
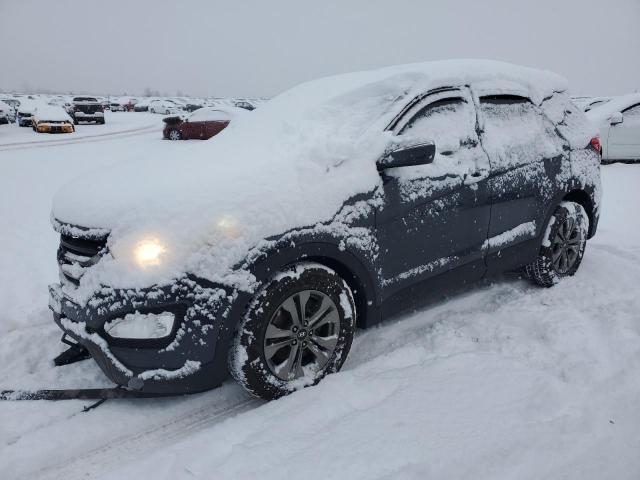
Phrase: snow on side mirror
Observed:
(616, 118)
(420, 154)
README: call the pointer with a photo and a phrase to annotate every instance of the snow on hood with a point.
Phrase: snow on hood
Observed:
(602, 113)
(291, 163)
(51, 113)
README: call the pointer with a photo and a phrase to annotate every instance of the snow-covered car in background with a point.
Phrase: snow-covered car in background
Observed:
(13, 105)
(202, 124)
(165, 107)
(25, 111)
(142, 105)
(587, 103)
(619, 123)
(87, 109)
(7, 114)
(334, 205)
(51, 119)
(244, 104)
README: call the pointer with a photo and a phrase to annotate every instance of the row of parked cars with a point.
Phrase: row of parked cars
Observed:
(60, 114)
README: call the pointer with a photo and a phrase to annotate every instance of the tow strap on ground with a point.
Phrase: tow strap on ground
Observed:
(75, 394)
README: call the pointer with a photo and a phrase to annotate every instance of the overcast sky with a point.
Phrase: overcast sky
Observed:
(260, 48)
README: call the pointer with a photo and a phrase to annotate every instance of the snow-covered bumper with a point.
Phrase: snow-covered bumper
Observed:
(178, 334)
(46, 127)
(88, 117)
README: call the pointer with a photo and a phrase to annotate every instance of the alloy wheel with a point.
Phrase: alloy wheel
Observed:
(302, 335)
(174, 135)
(566, 246)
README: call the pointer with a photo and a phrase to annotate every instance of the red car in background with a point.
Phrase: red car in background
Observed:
(202, 124)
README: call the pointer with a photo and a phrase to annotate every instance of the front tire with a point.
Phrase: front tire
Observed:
(296, 330)
(175, 135)
(562, 247)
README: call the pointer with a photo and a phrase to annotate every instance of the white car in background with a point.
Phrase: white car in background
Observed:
(619, 123)
(166, 107)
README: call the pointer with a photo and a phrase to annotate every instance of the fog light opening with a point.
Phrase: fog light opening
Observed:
(141, 326)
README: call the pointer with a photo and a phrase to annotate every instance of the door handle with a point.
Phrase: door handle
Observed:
(475, 177)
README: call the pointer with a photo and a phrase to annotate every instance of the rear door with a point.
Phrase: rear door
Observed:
(624, 138)
(526, 155)
(435, 217)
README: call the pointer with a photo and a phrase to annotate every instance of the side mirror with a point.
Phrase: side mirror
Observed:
(421, 154)
(616, 118)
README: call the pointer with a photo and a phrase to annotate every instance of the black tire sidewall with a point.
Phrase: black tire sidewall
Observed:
(247, 361)
(545, 267)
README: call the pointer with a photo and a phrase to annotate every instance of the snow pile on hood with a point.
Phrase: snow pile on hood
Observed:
(601, 114)
(51, 113)
(291, 163)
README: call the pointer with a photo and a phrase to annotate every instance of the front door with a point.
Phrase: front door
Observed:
(435, 217)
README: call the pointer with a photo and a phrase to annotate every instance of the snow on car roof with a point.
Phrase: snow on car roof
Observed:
(310, 148)
(225, 111)
(601, 113)
(51, 113)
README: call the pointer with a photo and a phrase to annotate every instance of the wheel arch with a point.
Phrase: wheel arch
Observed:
(581, 197)
(350, 266)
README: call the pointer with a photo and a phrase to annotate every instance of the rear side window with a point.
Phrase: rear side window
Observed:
(515, 132)
(448, 122)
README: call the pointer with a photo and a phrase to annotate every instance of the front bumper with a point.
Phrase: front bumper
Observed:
(88, 117)
(192, 358)
(54, 128)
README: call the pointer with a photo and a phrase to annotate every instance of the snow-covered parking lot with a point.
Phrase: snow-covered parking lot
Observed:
(502, 380)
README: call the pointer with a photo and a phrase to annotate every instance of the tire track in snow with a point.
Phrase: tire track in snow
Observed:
(86, 139)
(127, 447)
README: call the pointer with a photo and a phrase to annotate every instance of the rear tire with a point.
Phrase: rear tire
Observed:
(296, 330)
(175, 135)
(563, 245)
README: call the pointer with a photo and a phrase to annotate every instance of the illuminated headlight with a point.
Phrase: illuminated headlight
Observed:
(141, 325)
(228, 225)
(149, 252)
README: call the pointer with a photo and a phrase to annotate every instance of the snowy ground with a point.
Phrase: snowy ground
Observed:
(503, 380)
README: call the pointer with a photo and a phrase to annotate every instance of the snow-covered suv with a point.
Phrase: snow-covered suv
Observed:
(332, 206)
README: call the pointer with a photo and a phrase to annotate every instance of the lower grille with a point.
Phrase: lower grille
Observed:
(77, 254)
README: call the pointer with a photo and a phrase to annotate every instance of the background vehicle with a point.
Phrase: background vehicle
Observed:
(165, 107)
(244, 104)
(6, 114)
(51, 119)
(25, 111)
(202, 124)
(13, 104)
(142, 105)
(87, 109)
(587, 103)
(619, 123)
(340, 202)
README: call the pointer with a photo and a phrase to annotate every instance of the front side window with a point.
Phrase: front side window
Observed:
(449, 122)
